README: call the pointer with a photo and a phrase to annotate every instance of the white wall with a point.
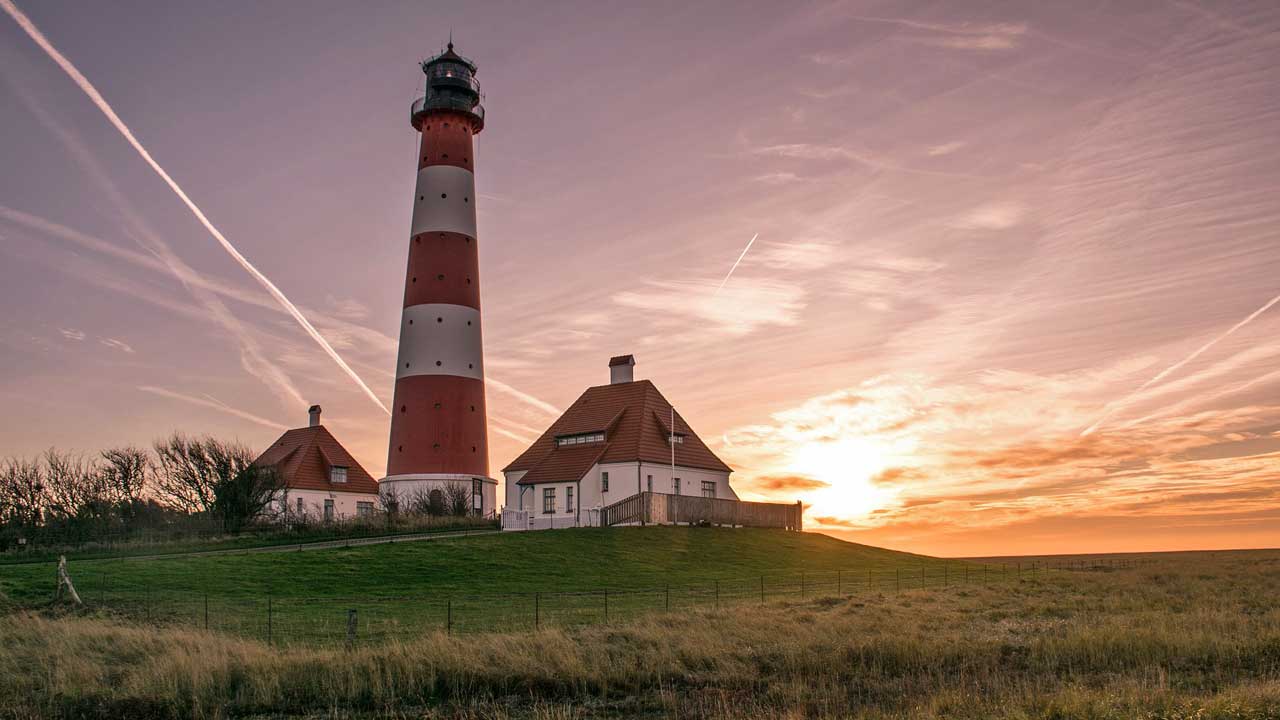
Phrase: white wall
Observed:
(344, 503)
(625, 480)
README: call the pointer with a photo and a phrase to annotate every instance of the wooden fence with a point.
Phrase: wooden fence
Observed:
(663, 509)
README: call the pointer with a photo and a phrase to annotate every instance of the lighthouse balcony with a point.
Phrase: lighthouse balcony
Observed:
(436, 103)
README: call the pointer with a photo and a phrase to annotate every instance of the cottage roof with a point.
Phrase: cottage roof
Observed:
(635, 420)
(303, 457)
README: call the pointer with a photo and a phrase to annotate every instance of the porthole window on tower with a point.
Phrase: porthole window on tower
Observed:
(403, 408)
(437, 406)
(440, 276)
(444, 195)
(439, 319)
(438, 363)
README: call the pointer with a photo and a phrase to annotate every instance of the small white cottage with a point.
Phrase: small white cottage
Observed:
(322, 480)
(615, 441)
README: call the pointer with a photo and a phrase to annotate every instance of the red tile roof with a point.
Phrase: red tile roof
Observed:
(635, 419)
(303, 457)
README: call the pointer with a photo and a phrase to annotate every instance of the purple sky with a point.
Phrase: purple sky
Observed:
(983, 227)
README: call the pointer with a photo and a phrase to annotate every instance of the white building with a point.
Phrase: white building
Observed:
(322, 480)
(614, 442)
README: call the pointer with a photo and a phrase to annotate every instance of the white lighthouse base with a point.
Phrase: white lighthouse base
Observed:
(411, 489)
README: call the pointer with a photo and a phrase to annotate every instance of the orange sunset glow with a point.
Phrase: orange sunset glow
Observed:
(966, 280)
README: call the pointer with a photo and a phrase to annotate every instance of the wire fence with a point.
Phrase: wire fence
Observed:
(285, 620)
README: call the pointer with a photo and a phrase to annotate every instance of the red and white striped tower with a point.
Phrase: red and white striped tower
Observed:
(439, 434)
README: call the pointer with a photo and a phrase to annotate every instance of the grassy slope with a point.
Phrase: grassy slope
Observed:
(558, 560)
(1189, 637)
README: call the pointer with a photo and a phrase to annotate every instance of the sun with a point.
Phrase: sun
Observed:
(847, 465)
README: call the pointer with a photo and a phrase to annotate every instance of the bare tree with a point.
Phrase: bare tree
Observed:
(457, 498)
(389, 501)
(125, 473)
(245, 496)
(72, 483)
(22, 492)
(190, 470)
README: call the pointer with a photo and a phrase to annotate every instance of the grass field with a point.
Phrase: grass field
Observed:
(1188, 636)
(499, 582)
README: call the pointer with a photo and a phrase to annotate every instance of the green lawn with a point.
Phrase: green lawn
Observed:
(507, 581)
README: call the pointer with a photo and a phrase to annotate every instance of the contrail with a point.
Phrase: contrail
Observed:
(735, 262)
(92, 92)
(1174, 367)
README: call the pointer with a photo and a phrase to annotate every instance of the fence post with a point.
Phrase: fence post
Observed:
(839, 584)
(351, 628)
(606, 605)
(801, 585)
(668, 596)
(870, 585)
(717, 594)
(448, 609)
(897, 579)
(206, 609)
(944, 575)
(268, 621)
(761, 589)
(148, 602)
(537, 602)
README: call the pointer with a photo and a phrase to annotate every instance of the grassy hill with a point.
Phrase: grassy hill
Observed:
(501, 581)
(1173, 637)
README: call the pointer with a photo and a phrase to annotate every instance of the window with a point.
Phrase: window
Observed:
(709, 488)
(649, 483)
(337, 474)
(300, 509)
(676, 438)
(675, 486)
(364, 509)
(328, 509)
(580, 439)
(477, 495)
(548, 500)
(284, 504)
(604, 482)
(568, 499)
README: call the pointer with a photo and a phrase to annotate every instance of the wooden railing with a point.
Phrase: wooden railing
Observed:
(663, 509)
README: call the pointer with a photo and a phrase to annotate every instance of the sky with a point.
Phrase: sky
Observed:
(1010, 289)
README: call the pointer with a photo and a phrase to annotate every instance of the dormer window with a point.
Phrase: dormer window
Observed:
(337, 474)
(579, 439)
(676, 438)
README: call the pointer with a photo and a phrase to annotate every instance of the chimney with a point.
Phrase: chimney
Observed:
(620, 369)
(313, 414)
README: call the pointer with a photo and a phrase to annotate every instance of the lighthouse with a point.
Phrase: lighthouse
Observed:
(438, 452)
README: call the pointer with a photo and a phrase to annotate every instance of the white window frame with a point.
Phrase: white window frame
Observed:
(675, 485)
(568, 499)
(708, 488)
(364, 508)
(338, 474)
(548, 500)
(330, 510)
(604, 481)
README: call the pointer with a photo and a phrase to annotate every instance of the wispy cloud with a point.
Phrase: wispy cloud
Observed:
(945, 149)
(992, 216)
(522, 396)
(747, 305)
(115, 344)
(209, 401)
(92, 92)
(959, 36)
(72, 334)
